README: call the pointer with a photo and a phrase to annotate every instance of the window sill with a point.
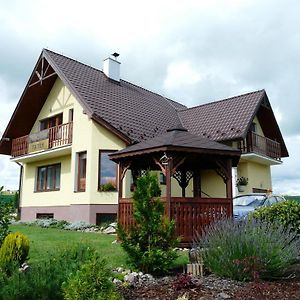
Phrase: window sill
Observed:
(47, 191)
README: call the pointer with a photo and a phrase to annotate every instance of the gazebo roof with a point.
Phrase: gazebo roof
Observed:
(177, 139)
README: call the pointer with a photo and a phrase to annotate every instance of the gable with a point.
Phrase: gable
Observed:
(59, 101)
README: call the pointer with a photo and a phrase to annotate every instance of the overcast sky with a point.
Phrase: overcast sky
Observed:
(194, 52)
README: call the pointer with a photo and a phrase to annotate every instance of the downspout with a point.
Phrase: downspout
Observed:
(20, 188)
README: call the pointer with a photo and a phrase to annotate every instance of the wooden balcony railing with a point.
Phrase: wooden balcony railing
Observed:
(53, 137)
(191, 215)
(255, 143)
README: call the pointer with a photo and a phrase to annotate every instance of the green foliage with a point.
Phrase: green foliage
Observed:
(242, 181)
(15, 248)
(108, 187)
(5, 211)
(150, 243)
(248, 250)
(287, 213)
(44, 279)
(92, 281)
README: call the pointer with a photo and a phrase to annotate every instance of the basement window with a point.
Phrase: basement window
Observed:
(44, 216)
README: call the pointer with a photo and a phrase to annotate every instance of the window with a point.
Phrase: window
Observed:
(107, 173)
(51, 122)
(71, 114)
(81, 171)
(48, 178)
(253, 127)
(105, 218)
(44, 216)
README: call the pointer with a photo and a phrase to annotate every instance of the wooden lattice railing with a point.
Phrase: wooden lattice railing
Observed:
(57, 136)
(191, 215)
(256, 143)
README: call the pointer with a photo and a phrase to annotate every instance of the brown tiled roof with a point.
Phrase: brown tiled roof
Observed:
(130, 109)
(177, 138)
(226, 119)
(134, 113)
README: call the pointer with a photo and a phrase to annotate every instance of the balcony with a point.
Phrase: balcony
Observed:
(51, 138)
(260, 145)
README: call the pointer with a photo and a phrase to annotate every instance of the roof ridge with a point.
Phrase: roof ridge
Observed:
(152, 92)
(75, 60)
(126, 81)
(222, 100)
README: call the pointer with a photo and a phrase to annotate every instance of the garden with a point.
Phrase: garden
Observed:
(257, 258)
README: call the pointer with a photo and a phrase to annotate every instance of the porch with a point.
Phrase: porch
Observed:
(181, 156)
(53, 137)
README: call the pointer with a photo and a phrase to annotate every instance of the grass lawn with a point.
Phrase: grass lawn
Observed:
(44, 241)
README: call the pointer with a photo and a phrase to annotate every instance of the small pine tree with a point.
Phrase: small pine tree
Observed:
(150, 243)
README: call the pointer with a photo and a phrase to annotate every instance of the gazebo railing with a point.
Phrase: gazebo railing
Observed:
(191, 215)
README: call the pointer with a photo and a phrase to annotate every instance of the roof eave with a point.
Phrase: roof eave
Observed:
(116, 156)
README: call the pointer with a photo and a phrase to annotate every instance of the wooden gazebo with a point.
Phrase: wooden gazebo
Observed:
(181, 155)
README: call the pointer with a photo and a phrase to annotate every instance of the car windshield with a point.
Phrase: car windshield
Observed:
(250, 200)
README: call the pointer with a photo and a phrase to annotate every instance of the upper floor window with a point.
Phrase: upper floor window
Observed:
(253, 127)
(107, 173)
(51, 122)
(48, 178)
(71, 114)
(81, 171)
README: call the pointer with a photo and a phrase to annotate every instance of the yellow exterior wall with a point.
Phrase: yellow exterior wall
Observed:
(212, 184)
(259, 175)
(88, 136)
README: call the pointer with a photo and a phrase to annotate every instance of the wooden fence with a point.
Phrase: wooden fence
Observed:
(191, 215)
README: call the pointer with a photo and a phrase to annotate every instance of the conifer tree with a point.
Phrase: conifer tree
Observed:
(150, 243)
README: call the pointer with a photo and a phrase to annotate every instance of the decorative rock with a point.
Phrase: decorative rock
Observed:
(117, 281)
(114, 242)
(120, 270)
(110, 230)
(132, 278)
(24, 268)
(224, 295)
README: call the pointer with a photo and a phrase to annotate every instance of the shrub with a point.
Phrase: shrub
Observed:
(44, 279)
(48, 223)
(92, 281)
(108, 187)
(80, 225)
(287, 213)
(248, 250)
(5, 211)
(15, 248)
(150, 243)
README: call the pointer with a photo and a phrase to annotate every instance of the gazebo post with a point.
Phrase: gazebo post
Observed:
(120, 180)
(229, 184)
(168, 188)
(197, 184)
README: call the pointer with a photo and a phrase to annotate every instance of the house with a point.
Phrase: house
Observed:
(72, 118)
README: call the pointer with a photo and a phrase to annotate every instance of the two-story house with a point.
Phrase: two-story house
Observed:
(71, 116)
